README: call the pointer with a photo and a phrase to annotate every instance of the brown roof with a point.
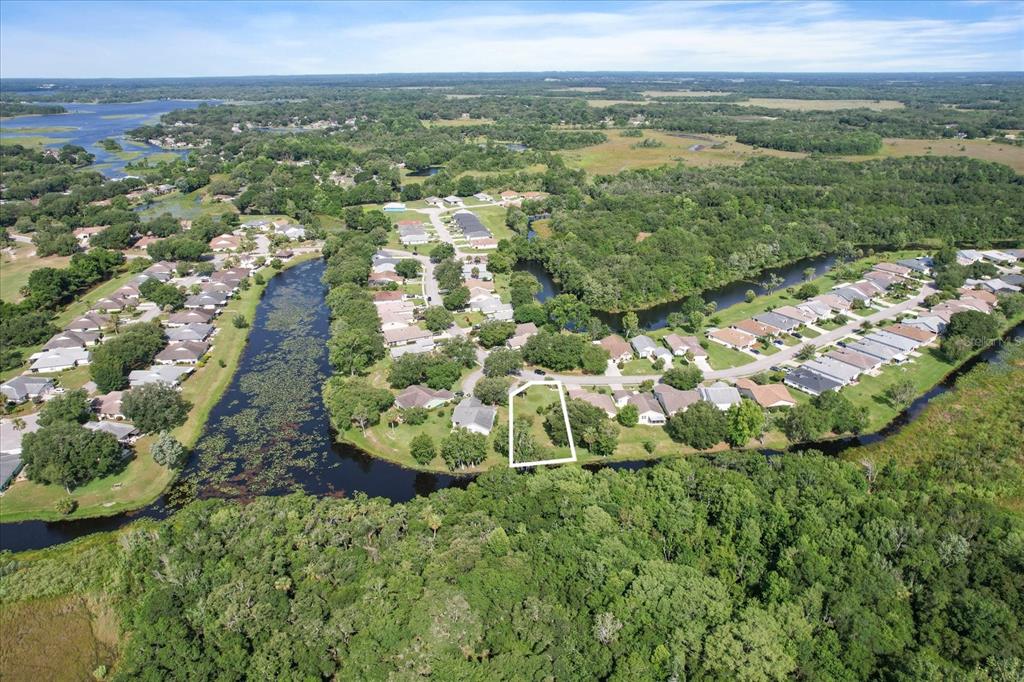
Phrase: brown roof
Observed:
(598, 400)
(915, 333)
(893, 268)
(673, 400)
(756, 328)
(986, 296)
(387, 296)
(795, 313)
(734, 337)
(767, 395)
(686, 343)
(853, 358)
(616, 346)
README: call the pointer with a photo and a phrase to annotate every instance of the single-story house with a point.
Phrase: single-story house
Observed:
(473, 415)
(617, 348)
(111, 304)
(404, 335)
(384, 296)
(508, 195)
(851, 294)
(838, 304)
(979, 294)
(648, 408)
(720, 394)
(182, 352)
(10, 446)
(756, 328)
(932, 323)
(225, 288)
(384, 278)
(795, 313)
(810, 382)
(833, 369)
(72, 340)
(921, 266)
(522, 334)
(393, 206)
(681, 345)
(903, 344)
(999, 257)
(968, 256)
(766, 395)
(417, 347)
(643, 346)
(90, 322)
(879, 350)
(225, 242)
(59, 359)
(84, 234)
(893, 269)
(109, 406)
(818, 309)
(673, 400)
(453, 200)
(483, 196)
(855, 359)
(434, 201)
(422, 396)
(188, 317)
(780, 322)
(662, 354)
(128, 292)
(124, 433)
(26, 387)
(733, 338)
(210, 301)
(601, 401)
(883, 280)
(166, 374)
(921, 336)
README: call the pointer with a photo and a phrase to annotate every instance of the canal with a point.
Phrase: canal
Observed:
(270, 434)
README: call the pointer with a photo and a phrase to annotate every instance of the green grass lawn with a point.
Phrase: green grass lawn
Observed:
(143, 480)
(638, 367)
(924, 372)
(16, 265)
(720, 357)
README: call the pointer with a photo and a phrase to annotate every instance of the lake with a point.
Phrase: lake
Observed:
(86, 124)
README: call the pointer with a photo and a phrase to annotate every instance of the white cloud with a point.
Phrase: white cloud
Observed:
(698, 36)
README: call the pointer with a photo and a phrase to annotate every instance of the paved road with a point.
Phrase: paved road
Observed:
(762, 363)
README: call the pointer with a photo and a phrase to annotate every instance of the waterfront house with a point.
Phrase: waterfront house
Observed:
(422, 396)
(673, 400)
(182, 352)
(768, 396)
(720, 394)
(643, 346)
(648, 409)
(732, 338)
(810, 382)
(601, 401)
(618, 349)
(473, 415)
(681, 345)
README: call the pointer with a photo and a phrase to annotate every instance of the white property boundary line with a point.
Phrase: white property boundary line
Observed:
(511, 425)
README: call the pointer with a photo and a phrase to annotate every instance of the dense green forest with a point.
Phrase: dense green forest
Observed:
(727, 567)
(708, 227)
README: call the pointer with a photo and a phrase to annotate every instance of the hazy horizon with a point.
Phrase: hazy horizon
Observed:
(88, 40)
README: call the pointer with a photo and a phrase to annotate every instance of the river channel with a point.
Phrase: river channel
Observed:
(270, 434)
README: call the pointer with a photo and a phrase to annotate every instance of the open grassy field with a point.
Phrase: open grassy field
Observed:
(456, 122)
(821, 104)
(33, 141)
(655, 94)
(619, 153)
(62, 639)
(597, 103)
(1006, 154)
(143, 480)
(16, 264)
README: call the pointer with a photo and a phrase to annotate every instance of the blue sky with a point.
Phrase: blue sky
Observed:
(154, 39)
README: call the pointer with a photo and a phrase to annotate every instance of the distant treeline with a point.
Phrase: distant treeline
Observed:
(712, 226)
(21, 109)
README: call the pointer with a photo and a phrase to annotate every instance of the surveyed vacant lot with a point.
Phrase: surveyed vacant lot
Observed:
(17, 263)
